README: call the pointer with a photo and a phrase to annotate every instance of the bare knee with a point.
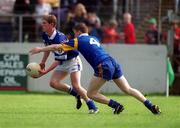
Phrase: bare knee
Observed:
(54, 83)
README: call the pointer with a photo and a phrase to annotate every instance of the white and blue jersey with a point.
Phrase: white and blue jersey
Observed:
(103, 64)
(58, 38)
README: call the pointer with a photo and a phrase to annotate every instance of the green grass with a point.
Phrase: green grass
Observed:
(58, 111)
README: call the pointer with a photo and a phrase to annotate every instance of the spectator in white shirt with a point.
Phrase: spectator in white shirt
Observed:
(42, 8)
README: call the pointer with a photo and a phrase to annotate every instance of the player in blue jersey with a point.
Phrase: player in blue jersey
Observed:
(105, 68)
(65, 63)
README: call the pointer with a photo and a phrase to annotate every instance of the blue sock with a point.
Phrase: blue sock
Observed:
(91, 104)
(148, 104)
(73, 92)
(113, 104)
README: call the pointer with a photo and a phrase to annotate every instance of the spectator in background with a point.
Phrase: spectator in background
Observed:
(129, 35)
(110, 34)
(94, 25)
(105, 9)
(67, 3)
(6, 8)
(54, 3)
(79, 15)
(91, 5)
(42, 8)
(176, 29)
(27, 8)
(177, 8)
(64, 12)
(151, 36)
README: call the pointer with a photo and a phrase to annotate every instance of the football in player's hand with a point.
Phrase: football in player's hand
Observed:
(32, 69)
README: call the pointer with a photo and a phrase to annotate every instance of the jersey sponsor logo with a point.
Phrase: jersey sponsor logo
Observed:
(62, 57)
(58, 53)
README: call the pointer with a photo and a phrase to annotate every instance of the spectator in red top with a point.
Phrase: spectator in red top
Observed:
(176, 37)
(129, 30)
(110, 34)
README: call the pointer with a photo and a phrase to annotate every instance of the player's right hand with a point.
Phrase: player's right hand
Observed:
(35, 50)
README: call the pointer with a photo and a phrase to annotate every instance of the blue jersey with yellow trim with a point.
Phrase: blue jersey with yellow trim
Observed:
(89, 47)
(58, 38)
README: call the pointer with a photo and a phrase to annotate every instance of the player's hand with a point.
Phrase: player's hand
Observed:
(35, 50)
(41, 73)
(42, 65)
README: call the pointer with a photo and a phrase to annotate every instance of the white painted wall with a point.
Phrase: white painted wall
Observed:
(144, 66)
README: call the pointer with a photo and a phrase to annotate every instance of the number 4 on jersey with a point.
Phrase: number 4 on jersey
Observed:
(93, 41)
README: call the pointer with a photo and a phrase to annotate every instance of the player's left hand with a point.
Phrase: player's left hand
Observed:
(41, 73)
(35, 50)
(42, 65)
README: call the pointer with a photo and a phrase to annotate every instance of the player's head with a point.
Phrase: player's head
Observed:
(79, 29)
(49, 22)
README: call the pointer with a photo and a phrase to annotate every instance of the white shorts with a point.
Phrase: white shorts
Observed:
(72, 65)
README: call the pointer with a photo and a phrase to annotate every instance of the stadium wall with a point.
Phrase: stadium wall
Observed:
(143, 65)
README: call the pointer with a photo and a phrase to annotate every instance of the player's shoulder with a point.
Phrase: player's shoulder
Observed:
(60, 33)
(88, 38)
(95, 38)
(44, 36)
(83, 38)
(61, 37)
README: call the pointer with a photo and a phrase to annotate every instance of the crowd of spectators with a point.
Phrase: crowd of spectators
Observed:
(28, 14)
(22, 19)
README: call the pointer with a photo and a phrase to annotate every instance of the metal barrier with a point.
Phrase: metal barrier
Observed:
(20, 26)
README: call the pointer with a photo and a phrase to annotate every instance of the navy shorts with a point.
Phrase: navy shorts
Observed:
(109, 69)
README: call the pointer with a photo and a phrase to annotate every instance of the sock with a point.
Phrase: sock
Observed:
(73, 92)
(148, 104)
(91, 104)
(113, 104)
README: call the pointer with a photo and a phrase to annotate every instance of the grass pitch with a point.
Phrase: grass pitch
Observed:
(58, 111)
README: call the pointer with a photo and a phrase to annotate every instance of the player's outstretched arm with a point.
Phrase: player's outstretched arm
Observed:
(37, 50)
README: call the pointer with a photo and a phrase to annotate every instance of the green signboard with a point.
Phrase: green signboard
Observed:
(12, 71)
